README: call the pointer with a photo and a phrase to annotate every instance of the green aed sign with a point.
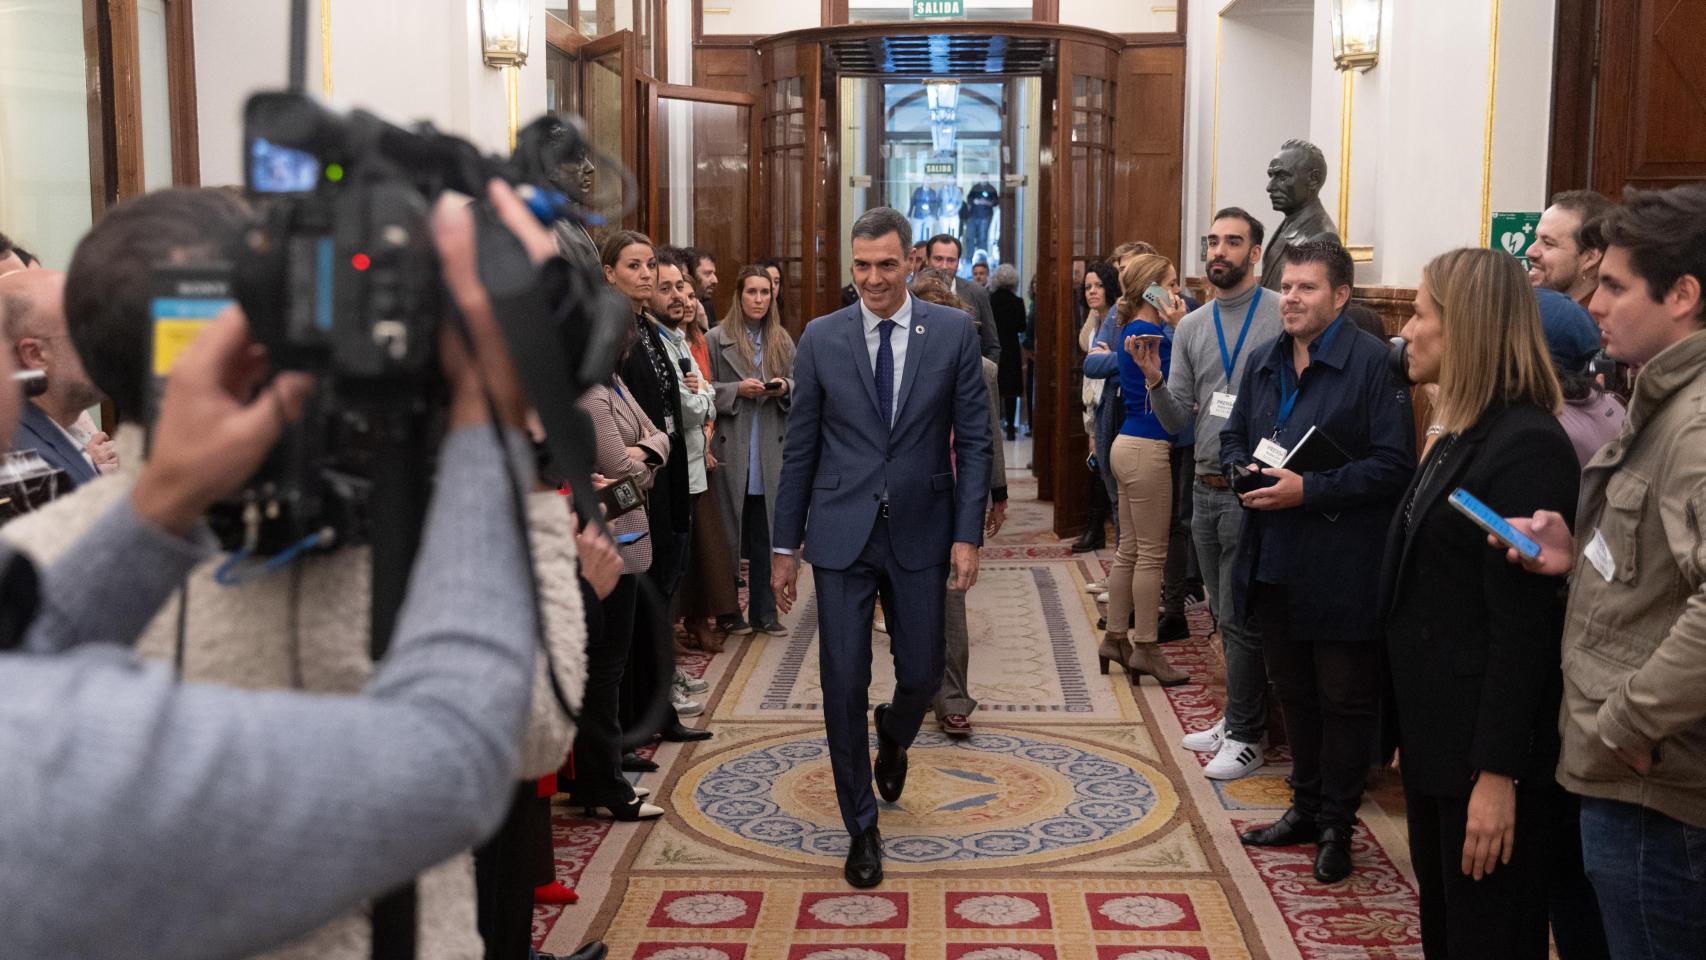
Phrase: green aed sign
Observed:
(1514, 233)
(938, 9)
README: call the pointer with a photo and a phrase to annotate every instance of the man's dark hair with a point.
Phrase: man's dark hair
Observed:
(1665, 234)
(9, 247)
(1588, 206)
(921, 245)
(673, 257)
(693, 256)
(1239, 213)
(944, 238)
(879, 222)
(108, 286)
(1341, 272)
(1314, 161)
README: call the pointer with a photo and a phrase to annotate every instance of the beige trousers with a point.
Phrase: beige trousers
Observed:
(1144, 477)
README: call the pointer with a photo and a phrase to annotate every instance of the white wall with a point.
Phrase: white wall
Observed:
(404, 61)
(760, 17)
(1418, 123)
(1122, 16)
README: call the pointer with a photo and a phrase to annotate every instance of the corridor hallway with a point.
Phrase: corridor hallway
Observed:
(1069, 827)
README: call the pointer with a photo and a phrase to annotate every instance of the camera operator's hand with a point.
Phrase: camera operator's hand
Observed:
(490, 369)
(601, 562)
(214, 428)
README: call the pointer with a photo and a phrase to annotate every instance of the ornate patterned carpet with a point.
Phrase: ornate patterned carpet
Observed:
(1070, 827)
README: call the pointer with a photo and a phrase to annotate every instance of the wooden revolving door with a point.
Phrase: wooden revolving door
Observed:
(1110, 169)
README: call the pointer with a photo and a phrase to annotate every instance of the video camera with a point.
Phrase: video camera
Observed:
(340, 278)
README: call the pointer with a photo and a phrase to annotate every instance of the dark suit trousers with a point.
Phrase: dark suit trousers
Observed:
(1328, 685)
(598, 737)
(913, 604)
(1502, 916)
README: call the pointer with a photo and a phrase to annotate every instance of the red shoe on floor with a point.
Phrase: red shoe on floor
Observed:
(555, 893)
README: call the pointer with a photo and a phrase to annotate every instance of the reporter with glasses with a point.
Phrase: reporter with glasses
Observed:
(217, 821)
(1471, 642)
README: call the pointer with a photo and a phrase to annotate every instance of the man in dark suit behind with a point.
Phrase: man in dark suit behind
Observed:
(32, 303)
(879, 386)
(943, 253)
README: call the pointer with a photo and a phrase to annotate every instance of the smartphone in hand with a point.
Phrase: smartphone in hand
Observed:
(775, 386)
(1487, 519)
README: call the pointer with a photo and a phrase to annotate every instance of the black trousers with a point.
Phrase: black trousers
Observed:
(598, 739)
(504, 877)
(1328, 685)
(1502, 916)
(1181, 575)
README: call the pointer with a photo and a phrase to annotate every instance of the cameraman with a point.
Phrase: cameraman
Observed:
(214, 821)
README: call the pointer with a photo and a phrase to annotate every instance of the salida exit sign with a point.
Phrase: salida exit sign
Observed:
(938, 9)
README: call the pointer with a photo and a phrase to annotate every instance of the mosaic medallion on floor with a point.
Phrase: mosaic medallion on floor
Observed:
(1002, 798)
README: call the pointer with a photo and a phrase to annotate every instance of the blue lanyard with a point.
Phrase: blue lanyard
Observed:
(1228, 361)
(1288, 399)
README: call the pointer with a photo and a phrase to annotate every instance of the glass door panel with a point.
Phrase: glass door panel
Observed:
(702, 178)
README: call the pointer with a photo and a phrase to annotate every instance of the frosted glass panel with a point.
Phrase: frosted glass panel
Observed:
(44, 127)
(156, 94)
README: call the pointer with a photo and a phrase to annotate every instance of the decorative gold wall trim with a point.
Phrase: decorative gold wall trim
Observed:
(1214, 126)
(326, 47)
(1347, 102)
(1487, 136)
(1361, 253)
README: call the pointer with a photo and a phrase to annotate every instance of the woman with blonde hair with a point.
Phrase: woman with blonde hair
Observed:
(1141, 457)
(752, 367)
(1472, 641)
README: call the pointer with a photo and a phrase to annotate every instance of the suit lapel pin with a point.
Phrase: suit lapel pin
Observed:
(918, 329)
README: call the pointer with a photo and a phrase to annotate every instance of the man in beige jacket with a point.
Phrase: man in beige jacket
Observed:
(1634, 651)
(302, 628)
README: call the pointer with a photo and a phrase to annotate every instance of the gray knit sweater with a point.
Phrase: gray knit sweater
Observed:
(1197, 371)
(140, 817)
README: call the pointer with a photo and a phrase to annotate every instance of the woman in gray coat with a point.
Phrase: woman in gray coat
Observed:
(752, 366)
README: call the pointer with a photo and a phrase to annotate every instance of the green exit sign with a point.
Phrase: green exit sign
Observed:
(938, 9)
(939, 168)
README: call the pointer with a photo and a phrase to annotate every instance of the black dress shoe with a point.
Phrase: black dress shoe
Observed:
(890, 768)
(1333, 854)
(865, 860)
(634, 763)
(1170, 627)
(678, 732)
(595, 950)
(1288, 831)
(1091, 540)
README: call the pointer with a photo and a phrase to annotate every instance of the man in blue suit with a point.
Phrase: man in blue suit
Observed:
(888, 398)
(32, 303)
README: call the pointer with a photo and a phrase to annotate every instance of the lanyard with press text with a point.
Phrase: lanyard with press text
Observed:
(1228, 361)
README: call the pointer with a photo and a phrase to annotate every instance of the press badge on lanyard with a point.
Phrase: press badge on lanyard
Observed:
(1220, 405)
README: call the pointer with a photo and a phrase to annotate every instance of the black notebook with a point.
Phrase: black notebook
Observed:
(1315, 452)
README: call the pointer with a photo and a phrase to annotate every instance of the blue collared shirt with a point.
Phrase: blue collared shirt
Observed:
(897, 345)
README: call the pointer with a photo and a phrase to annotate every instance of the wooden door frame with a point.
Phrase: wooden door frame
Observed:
(113, 66)
(656, 90)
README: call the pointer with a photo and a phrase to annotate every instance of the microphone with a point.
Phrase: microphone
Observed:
(686, 365)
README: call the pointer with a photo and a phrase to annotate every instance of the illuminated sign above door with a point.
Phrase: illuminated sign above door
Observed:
(938, 9)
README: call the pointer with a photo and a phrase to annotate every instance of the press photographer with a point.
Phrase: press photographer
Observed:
(205, 820)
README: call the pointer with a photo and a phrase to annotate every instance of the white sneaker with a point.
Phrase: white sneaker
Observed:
(1102, 597)
(683, 706)
(1236, 759)
(1097, 586)
(1205, 741)
(690, 684)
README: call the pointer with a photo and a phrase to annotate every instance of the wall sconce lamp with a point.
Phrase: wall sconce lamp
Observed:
(503, 43)
(1356, 34)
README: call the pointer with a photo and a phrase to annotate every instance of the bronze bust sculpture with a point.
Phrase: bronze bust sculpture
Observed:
(1295, 176)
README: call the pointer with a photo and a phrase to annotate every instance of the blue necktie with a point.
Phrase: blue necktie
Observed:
(885, 372)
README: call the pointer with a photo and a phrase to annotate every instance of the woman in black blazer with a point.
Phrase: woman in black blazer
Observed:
(1472, 642)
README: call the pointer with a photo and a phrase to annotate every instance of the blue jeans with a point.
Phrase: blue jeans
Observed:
(1216, 520)
(755, 547)
(1650, 873)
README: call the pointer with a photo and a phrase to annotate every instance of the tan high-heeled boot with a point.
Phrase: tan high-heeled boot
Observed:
(1148, 658)
(1115, 648)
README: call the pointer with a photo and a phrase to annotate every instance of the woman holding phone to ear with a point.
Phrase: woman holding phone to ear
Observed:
(1141, 458)
(752, 367)
(1472, 642)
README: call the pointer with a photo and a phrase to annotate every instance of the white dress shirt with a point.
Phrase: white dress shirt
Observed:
(898, 338)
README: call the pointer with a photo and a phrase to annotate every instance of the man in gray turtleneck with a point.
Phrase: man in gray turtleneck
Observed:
(1210, 351)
